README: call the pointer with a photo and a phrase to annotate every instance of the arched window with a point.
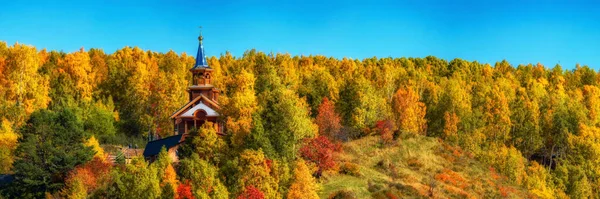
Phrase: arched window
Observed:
(200, 114)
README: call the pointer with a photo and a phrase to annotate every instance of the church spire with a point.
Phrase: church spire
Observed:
(200, 57)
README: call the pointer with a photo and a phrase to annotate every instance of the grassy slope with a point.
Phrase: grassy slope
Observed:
(411, 166)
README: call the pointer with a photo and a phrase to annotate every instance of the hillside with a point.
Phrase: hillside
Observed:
(416, 167)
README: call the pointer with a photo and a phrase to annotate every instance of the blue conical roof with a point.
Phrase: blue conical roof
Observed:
(200, 57)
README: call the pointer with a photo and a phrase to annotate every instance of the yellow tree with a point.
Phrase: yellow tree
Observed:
(93, 142)
(451, 127)
(409, 111)
(592, 102)
(170, 177)
(254, 170)
(21, 85)
(304, 185)
(239, 106)
(79, 68)
(8, 144)
(497, 115)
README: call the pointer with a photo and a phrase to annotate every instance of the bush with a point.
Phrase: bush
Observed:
(350, 169)
(374, 187)
(414, 163)
(342, 194)
(384, 164)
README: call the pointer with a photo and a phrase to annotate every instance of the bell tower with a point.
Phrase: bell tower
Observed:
(201, 76)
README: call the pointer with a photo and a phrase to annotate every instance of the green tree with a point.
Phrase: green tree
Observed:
(52, 144)
(205, 142)
(203, 176)
(136, 180)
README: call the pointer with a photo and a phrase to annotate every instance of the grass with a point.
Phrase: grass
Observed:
(411, 166)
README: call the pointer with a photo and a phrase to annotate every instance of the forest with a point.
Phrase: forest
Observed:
(290, 123)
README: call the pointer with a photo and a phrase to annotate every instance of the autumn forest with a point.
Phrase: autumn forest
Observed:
(297, 127)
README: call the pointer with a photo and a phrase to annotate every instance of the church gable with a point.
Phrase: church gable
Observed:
(199, 103)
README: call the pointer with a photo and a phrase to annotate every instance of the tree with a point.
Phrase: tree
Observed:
(203, 176)
(304, 185)
(85, 179)
(254, 170)
(385, 128)
(328, 120)
(8, 144)
(497, 116)
(287, 120)
(316, 86)
(409, 111)
(239, 106)
(23, 89)
(205, 142)
(77, 65)
(169, 182)
(251, 192)
(136, 180)
(100, 119)
(359, 105)
(51, 146)
(320, 152)
(184, 191)
(93, 142)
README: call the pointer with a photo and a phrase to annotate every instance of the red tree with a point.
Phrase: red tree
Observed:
(385, 129)
(328, 120)
(91, 174)
(184, 191)
(319, 151)
(251, 192)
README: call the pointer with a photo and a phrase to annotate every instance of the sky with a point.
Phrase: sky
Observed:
(522, 32)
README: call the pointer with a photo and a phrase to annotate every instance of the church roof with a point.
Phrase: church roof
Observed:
(200, 56)
(154, 147)
(203, 100)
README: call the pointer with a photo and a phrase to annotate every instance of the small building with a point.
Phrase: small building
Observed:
(202, 107)
(170, 143)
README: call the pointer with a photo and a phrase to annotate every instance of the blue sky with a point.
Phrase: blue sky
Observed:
(487, 31)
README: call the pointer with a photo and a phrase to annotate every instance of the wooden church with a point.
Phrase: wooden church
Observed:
(202, 107)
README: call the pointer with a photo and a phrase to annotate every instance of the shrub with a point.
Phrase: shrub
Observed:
(414, 163)
(350, 169)
(342, 194)
(384, 164)
(385, 128)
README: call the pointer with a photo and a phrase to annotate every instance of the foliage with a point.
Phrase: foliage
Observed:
(304, 185)
(328, 120)
(51, 145)
(508, 117)
(184, 191)
(205, 142)
(409, 111)
(8, 144)
(254, 170)
(136, 180)
(251, 192)
(286, 121)
(385, 128)
(86, 178)
(93, 142)
(203, 178)
(350, 168)
(319, 151)
(239, 105)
